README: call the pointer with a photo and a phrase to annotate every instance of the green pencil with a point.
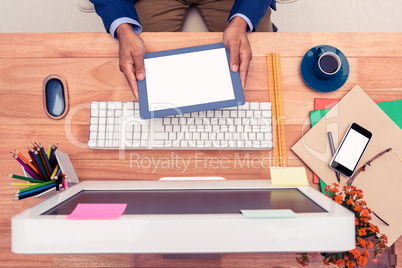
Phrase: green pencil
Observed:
(40, 164)
(34, 187)
(23, 178)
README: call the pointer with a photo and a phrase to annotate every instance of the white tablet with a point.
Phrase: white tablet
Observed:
(188, 80)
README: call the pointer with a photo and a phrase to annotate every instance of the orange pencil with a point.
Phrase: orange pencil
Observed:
(26, 161)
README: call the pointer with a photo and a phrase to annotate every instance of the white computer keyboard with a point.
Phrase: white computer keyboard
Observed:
(117, 125)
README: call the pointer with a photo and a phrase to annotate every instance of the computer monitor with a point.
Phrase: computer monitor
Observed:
(186, 217)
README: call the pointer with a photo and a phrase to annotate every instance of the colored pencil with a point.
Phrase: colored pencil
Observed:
(49, 149)
(57, 184)
(65, 183)
(35, 146)
(34, 187)
(24, 184)
(35, 191)
(24, 178)
(52, 159)
(26, 168)
(30, 152)
(40, 164)
(45, 161)
(21, 159)
(26, 161)
(54, 172)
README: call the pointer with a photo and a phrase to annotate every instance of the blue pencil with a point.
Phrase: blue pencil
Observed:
(34, 191)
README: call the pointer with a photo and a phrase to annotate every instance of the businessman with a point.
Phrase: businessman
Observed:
(232, 17)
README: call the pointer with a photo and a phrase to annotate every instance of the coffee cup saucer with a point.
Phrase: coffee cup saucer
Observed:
(329, 85)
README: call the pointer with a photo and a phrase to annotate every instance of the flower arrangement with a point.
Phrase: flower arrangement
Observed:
(368, 237)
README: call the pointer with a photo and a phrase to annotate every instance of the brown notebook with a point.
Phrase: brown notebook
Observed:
(382, 180)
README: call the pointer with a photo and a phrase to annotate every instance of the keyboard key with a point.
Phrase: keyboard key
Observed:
(94, 121)
(265, 106)
(254, 106)
(246, 106)
(161, 135)
(130, 105)
(172, 136)
(175, 121)
(102, 105)
(266, 114)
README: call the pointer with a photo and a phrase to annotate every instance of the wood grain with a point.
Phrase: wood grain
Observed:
(89, 64)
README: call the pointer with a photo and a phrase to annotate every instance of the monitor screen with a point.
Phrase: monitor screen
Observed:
(143, 202)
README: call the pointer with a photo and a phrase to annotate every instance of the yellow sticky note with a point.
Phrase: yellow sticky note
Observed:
(288, 176)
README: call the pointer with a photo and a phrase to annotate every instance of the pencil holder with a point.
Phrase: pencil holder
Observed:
(64, 162)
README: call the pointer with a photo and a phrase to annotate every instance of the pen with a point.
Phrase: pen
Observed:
(380, 218)
(331, 145)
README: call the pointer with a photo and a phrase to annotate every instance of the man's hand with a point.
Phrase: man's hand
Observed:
(131, 56)
(236, 41)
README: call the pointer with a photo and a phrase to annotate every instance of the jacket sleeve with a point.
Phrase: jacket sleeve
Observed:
(252, 9)
(110, 10)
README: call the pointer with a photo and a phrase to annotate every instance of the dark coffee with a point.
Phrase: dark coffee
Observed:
(328, 64)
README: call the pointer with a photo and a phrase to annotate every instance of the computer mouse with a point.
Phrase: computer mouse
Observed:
(55, 97)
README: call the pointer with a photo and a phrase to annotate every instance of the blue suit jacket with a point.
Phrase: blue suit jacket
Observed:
(110, 10)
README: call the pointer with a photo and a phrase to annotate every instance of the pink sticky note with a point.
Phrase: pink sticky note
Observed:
(97, 211)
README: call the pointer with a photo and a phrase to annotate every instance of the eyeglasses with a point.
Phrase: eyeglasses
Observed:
(368, 163)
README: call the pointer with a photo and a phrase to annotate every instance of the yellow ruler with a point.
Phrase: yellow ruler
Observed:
(278, 111)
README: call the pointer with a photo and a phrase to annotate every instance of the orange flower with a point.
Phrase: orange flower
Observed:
(326, 262)
(366, 253)
(335, 184)
(369, 244)
(340, 262)
(335, 190)
(356, 253)
(338, 199)
(372, 227)
(384, 236)
(350, 201)
(350, 264)
(362, 261)
(362, 243)
(362, 232)
(365, 213)
(358, 208)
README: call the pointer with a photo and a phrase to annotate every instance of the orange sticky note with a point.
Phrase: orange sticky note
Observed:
(94, 211)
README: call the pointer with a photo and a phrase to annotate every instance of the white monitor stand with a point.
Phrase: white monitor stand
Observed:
(187, 217)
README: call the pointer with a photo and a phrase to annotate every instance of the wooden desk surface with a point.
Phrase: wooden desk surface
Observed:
(89, 64)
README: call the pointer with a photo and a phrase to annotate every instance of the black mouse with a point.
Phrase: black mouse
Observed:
(55, 97)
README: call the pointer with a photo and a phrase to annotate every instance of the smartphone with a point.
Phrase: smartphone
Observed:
(349, 153)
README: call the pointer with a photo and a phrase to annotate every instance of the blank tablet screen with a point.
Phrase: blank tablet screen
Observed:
(188, 80)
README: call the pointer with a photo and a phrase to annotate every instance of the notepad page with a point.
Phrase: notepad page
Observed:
(188, 79)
